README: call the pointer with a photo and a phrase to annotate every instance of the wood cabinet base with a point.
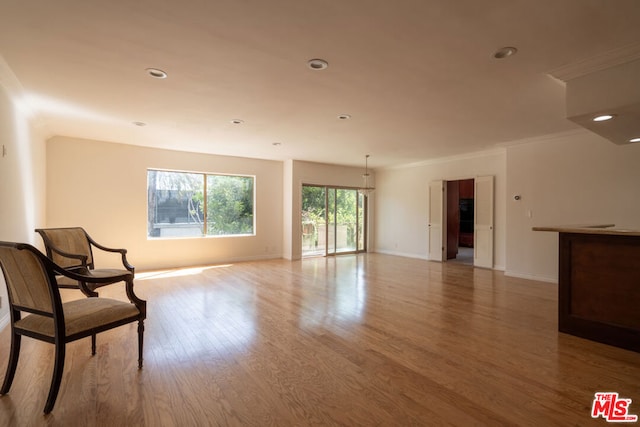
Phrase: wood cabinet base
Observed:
(599, 288)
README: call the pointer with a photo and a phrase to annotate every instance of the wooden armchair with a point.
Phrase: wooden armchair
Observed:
(30, 280)
(71, 248)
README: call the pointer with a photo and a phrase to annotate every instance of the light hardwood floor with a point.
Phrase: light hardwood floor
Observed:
(353, 340)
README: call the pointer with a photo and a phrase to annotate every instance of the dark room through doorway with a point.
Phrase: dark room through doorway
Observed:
(460, 209)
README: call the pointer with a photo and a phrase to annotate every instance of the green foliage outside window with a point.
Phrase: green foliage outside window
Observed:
(338, 212)
(313, 204)
(229, 205)
(179, 206)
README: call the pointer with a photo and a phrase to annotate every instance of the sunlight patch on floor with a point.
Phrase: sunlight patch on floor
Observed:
(163, 274)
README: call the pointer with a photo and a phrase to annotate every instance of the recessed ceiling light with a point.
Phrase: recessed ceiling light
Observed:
(603, 118)
(317, 64)
(505, 52)
(237, 121)
(344, 116)
(156, 73)
(141, 124)
(634, 140)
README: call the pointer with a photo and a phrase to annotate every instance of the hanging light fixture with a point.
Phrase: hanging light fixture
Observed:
(366, 190)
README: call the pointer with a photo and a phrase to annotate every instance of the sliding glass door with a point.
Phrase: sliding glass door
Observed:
(314, 220)
(333, 220)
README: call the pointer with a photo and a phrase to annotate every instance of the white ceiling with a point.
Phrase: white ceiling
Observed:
(418, 77)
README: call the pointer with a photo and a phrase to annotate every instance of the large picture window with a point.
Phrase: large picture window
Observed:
(184, 204)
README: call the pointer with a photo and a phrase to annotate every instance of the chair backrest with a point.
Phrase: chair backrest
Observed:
(28, 280)
(71, 240)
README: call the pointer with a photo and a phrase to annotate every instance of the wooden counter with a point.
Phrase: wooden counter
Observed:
(599, 283)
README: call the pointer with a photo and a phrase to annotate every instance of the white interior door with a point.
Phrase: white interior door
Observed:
(437, 223)
(483, 222)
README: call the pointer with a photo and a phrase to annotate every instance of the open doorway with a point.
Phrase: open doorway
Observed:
(460, 218)
(482, 221)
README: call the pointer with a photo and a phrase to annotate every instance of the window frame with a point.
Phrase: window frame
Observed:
(331, 246)
(204, 176)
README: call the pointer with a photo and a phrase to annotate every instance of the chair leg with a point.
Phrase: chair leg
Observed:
(13, 363)
(93, 344)
(140, 342)
(57, 377)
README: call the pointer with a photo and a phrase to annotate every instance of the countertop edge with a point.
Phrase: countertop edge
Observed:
(605, 229)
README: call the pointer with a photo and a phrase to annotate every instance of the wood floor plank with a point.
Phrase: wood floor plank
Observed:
(363, 340)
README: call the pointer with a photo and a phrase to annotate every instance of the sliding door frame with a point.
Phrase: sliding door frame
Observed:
(359, 228)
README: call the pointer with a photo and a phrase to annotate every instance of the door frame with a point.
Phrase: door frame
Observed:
(486, 234)
(437, 231)
(483, 221)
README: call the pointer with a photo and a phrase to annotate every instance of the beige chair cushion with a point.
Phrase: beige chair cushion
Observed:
(81, 315)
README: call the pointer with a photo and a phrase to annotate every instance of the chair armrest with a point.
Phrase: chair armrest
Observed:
(123, 253)
(82, 258)
(88, 278)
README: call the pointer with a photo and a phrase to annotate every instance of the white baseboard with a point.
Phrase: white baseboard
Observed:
(4, 321)
(402, 254)
(532, 277)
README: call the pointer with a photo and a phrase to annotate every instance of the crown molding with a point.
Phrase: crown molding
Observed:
(611, 58)
(577, 132)
(8, 79)
(471, 155)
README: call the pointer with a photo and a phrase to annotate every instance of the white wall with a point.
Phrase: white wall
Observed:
(288, 213)
(573, 178)
(22, 175)
(103, 187)
(577, 177)
(401, 205)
